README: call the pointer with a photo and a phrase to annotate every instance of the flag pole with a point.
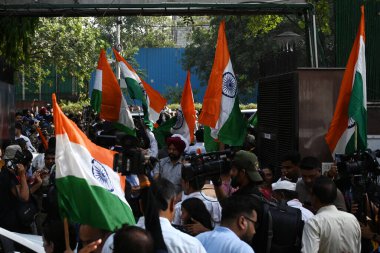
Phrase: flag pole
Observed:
(356, 137)
(67, 238)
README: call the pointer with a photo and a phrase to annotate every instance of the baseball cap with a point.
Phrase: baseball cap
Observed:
(10, 152)
(284, 185)
(247, 161)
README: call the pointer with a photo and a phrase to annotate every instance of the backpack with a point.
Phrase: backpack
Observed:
(280, 228)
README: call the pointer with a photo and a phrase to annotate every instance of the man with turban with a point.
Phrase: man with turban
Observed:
(170, 167)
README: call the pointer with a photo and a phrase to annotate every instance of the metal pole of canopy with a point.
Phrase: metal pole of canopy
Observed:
(315, 41)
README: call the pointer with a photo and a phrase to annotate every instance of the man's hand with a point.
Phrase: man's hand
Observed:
(37, 178)
(20, 170)
(196, 228)
(366, 231)
(91, 247)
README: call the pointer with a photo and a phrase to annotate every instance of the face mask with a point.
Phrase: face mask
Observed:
(234, 183)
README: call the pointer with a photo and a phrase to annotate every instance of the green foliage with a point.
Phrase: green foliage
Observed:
(64, 46)
(248, 106)
(198, 106)
(173, 94)
(258, 25)
(137, 32)
(74, 107)
(247, 38)
(16, 36)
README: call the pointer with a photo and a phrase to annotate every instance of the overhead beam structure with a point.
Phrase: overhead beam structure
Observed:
(101, 8)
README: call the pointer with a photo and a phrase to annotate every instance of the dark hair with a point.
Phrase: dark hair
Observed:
(325, 190)
(51, 143)
(199, 135)
(132, 239)
(310, 163)
(18, 125)
(289, 195)
(53, 232)
(50, 152)
(198, 211)
(236, 205)
(155, 198)
(18, 114)
(196, 183)
(163, 191)
(292, 156)
(28, 156)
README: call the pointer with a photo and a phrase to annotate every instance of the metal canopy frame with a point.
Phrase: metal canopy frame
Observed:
(37, 9)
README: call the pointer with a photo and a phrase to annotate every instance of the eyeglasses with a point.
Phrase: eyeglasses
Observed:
(255, 224)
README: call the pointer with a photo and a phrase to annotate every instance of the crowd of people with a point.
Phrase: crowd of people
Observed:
(176, 209)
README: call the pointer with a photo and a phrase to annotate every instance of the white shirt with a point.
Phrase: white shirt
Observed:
(28, 143)
(193, 149)
(108, 244)
(331, 230)
(153, 150)
(175, 240)
(306, 214)
(39, 161)
(212, 206)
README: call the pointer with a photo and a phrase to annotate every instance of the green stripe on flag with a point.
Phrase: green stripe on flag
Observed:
(96, 100)
(124, 128)
(234, 130)
(135, 91)
(210, 144)
(91, 205)
(357, 111)
(253, 121)
(164, 130)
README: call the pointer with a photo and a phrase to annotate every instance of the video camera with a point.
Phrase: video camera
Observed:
(359, 174)
(19, 158)
(360, 163)
(207, 166)
(133, 161)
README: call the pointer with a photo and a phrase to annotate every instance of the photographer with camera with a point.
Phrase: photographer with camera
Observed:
(14, 192)
(244, 174)
(170, 167)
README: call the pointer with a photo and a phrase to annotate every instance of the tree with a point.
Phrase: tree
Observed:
(137, 32)
(16, 35)
(67, 46)
(247, 43)
(70, 46)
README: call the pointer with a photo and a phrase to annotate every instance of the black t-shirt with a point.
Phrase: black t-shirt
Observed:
(8, 202)
(249, 190)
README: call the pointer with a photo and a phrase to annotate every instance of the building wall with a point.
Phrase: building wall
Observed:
(163, 68)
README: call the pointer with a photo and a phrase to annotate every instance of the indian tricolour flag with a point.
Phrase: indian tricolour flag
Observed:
(185, 124)
(220, 109)
(350, 114)
(107, 98)
(152, 101)
(89, 191)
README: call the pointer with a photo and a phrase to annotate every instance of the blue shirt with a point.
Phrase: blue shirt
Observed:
(221, 240)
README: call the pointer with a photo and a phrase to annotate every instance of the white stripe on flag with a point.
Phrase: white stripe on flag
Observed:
(75, 160)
